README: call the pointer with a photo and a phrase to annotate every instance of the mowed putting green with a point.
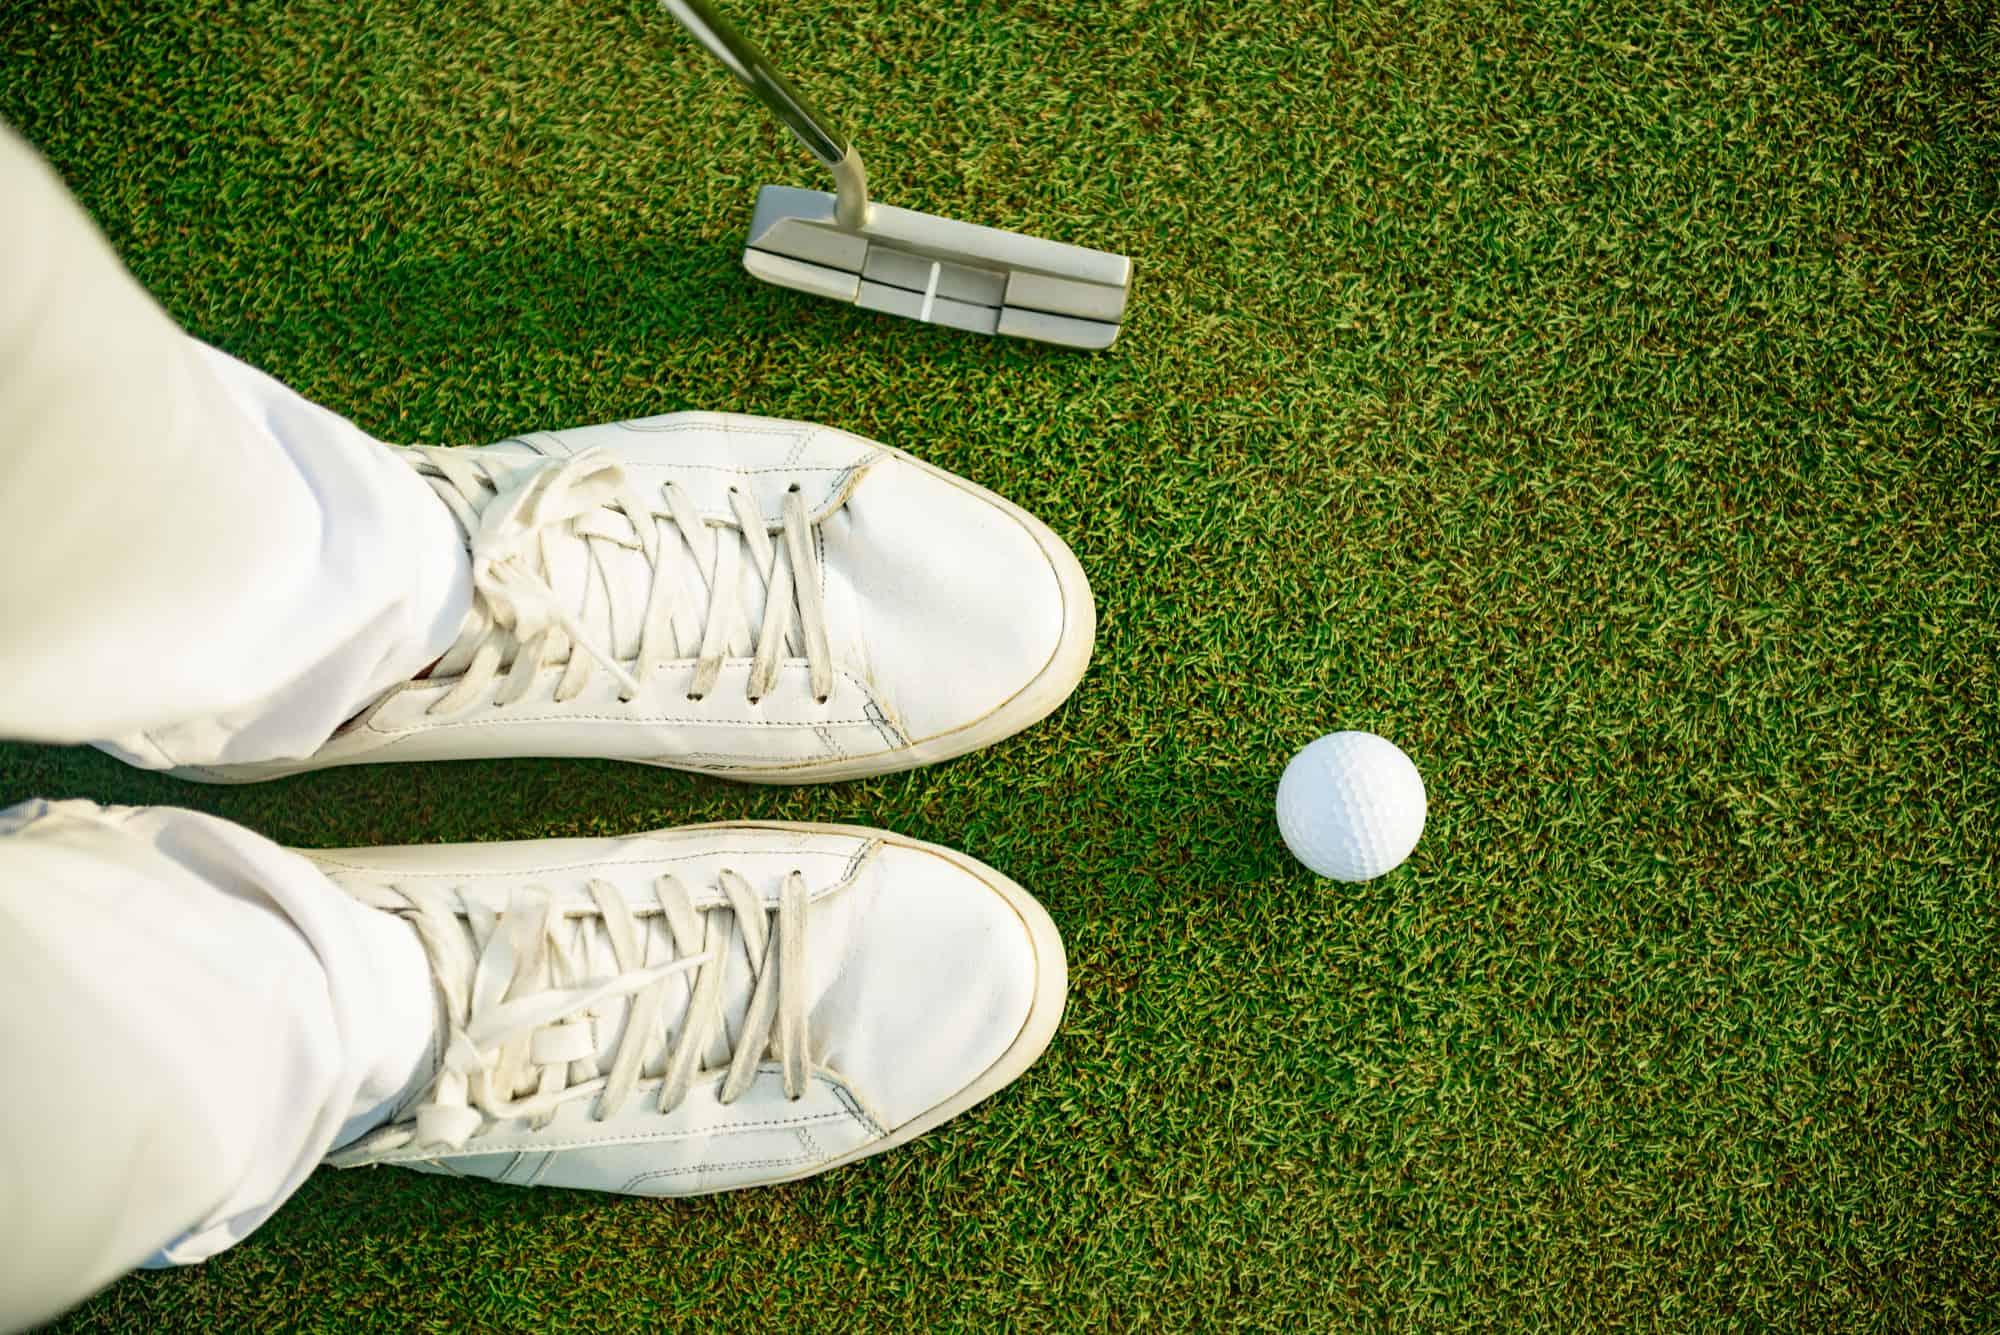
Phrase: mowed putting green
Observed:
(1600, 405)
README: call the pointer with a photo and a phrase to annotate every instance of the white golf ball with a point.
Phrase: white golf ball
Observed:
(1351, 806)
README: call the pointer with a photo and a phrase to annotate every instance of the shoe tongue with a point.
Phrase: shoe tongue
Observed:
(737, 983)
(608, 585)
(606, 581)
(604, 584)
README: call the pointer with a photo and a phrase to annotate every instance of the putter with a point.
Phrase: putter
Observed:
(938, 270)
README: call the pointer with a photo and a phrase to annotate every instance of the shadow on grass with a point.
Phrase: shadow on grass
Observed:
(434, 802)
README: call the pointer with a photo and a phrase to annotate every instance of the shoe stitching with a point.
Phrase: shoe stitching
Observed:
(861, 855)
(849, 869)
(889, 731)
(459, 874)
(502, 1145)
(819, 558)
(741, 468)
(430, 724)
(401, 733)
(734, 1128)
(725, 423)
(737, 760)
(853, 1105)
(706, 1168)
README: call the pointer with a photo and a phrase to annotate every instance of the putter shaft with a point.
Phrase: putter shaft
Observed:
(740, 56)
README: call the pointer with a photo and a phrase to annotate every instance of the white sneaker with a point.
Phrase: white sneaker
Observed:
(741, 596)
(695, 1010)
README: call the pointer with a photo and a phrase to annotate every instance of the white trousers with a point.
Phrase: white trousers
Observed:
(196, 565)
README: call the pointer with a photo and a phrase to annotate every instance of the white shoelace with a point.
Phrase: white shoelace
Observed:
(512, 515)
(520, 1004)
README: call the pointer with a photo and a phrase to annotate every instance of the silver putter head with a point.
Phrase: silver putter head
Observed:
(837, 244)
(938, 269)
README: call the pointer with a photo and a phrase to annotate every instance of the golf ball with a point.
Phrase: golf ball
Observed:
(1351, 806)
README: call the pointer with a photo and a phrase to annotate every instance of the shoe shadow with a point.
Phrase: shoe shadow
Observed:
(434, 802)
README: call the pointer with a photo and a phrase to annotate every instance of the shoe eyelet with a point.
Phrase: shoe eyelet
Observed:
(693, 696)
(793, 487)
(822, 698)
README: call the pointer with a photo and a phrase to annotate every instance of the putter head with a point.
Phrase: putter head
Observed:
(939, 270)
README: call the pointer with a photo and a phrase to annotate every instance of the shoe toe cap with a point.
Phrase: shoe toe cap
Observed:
(960, 605)
(944, 988)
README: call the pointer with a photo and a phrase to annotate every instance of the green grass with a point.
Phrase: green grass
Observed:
(1604, 407)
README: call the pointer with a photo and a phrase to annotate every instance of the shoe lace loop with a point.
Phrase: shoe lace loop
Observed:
(522, 1003)
(512, 516)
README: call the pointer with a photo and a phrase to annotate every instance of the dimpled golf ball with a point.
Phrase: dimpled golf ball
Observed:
(1351, 806)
